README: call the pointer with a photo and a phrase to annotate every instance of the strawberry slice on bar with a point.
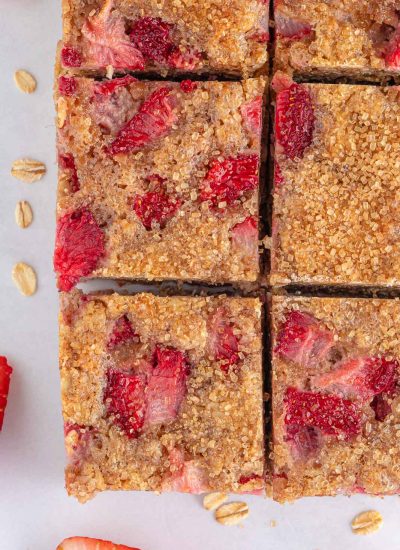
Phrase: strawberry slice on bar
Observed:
(5, 376)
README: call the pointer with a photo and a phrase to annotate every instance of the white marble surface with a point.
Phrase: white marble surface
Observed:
(35, 512)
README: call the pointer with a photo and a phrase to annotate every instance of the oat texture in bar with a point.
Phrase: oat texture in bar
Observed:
(336, 188)
(336, 398)
(158, 180)
(161, 393)
(167, 36)
(357, 39)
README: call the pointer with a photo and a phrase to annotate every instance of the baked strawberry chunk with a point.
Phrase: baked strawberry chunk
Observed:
(67, 85)
(188, 86)
(86, 543)
(251, 113)
(278, 177)
(290, 28)
(381, 407)
(108, 43)
(392, 54)
(79, 247)
(229, 179)
(303, 339)
(305, 441)
(167, 385)
(153, 120)
(108, 87)
(294, 120)
(67, 163)
(155, 208)
(187, 477)
(330, 413)
(5, 375)
(222, 341)
(77, 441)
(362, 377)
(245, 237)
(125, 401)
(122, 333)
(70, 57)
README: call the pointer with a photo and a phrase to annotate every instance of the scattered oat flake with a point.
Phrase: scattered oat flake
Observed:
(24, 278)
(272, 523)
(23, 214)
(232, 513)
(367, 522)
(214, 500)
(28, 170)
(25, 81)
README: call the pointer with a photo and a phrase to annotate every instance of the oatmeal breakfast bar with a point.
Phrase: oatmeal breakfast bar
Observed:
(336, 217)
(167, 36)
(336, 398)
(161, 393)
(158, 180)
(359, 39)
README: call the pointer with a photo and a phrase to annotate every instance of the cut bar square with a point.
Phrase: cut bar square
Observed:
(336, 217)
(166, 37)
(357, 39)
(336, 399)
(162, 393)
(158, 180)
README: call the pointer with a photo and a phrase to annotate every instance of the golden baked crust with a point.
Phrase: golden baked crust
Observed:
(219, 426)
(230, 35)
(336, 38)
(369, 462)
(336, 214)
(197, 243)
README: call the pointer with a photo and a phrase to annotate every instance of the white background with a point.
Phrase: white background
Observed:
(35, 512)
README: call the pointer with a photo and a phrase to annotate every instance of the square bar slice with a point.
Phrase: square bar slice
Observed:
(336, 396)
(161, 393)
(158, 180)
(336, 217)
(358, 39)
(166, 37)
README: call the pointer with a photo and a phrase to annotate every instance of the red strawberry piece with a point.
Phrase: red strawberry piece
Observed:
(122, 332)
(155, 208)
(381, 407)
(246, 479)
(167, 385)
(362, 377)
(70, 57)
(245, 237)
(67, 85)
(86, 543)
(67, 164)
(293, 29)
(330, 413)
(229, 179)
(294, 120)
(261, 36)
(278, 177)
(5, 375)
(222, 341)
(108, 43)
(112, 105)
(305, 441)
(125, 401)
(152, 37)
(153, 120)
(77, 440)
(251, 114)
(186, 476)
(108, 87)
(392, 53)
(303, 339)
(188, 86)
(79, 247)
(184, 60)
